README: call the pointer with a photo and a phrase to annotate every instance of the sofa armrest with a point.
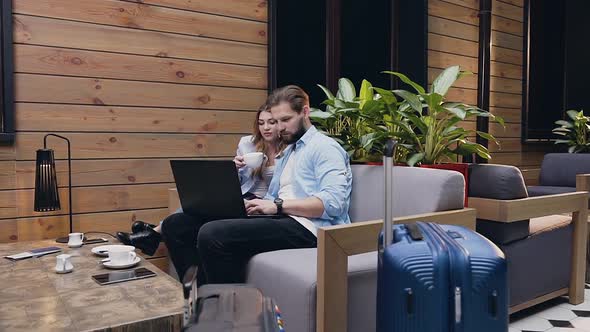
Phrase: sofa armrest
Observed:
(336, 243)
(519, 209)
(525, 208)
(583, 182)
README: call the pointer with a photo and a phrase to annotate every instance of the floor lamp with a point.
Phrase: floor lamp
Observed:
(46, 189)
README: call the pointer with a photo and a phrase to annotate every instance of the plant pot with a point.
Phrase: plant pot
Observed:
(458, 167)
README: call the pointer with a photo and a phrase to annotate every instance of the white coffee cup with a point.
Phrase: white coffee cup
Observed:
(75, 240)
(63, 263)
(121, 255)
(254, 159)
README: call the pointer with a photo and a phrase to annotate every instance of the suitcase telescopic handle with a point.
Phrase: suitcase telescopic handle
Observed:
(388, 161)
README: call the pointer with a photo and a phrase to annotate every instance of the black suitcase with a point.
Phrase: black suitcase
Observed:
(229, 307)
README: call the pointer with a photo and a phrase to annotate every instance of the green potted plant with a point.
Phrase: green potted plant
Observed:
(576, 132)
(432, 129)
(361, 124)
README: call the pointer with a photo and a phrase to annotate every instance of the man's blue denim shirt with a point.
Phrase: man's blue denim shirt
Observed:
(322, 169)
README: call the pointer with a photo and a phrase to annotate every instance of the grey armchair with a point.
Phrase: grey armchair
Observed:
(545, 249)
(563, 173)
(342, 271)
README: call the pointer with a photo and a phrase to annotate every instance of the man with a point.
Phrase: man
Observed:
(311, 186)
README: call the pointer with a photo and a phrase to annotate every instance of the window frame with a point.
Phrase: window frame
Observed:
(7, 118)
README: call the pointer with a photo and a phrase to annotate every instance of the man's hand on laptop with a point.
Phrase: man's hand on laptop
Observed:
(260, 206)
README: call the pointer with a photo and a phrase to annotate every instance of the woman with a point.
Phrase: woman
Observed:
(254, 182)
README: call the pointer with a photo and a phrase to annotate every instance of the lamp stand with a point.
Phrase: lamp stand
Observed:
(65, 239)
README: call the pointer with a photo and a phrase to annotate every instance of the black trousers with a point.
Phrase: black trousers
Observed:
(222, 248)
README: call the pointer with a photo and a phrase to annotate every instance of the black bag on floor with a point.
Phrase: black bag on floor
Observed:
(230, 307)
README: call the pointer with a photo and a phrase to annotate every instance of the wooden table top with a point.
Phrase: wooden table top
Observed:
(35, 298)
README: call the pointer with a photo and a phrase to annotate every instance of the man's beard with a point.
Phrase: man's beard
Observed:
(292, 138)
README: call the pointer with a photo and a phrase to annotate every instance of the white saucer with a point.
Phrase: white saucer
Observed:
(64, 271)
(124, 266)
(104, 250)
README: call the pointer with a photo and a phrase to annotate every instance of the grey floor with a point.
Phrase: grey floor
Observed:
(554, 316)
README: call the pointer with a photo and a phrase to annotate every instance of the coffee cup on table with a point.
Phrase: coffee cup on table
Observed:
(75, 240)
(254, 159)
(63, 263)
(121, 256)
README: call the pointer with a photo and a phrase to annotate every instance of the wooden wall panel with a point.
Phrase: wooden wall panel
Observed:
(133, 84)
(93, 91)
(83, 118)
(58, 61)
(146, 17)
(89, 36)
(123, 145)
(250, 9)
(453, 40)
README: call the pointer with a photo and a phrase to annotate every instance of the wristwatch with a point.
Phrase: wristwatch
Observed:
(279, 204)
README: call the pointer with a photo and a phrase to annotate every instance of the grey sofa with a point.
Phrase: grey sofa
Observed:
(291, 276)
(545, 249)
(558, 173)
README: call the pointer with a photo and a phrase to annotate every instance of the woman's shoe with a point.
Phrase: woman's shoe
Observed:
(147, 241)
(139, 226)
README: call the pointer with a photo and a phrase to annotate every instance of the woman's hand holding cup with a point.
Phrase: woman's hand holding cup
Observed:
(239, 161)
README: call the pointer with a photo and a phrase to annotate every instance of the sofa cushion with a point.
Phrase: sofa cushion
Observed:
(289, 276)
(498, 182)
(548, 190)
(560, 169)
(548, 223)
(415, 190)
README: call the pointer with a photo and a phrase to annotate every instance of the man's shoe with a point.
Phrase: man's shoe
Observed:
(147, 241)
(140, 226)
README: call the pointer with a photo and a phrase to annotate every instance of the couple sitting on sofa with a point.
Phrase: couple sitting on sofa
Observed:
(310, 184)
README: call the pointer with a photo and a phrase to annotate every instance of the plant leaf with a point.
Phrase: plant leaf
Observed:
(346, 89)
(388, 96)
(457, 112)
(407, 80)
(411, 98)
(445, 80)
(573, 114)
(318, 114)
(366, 93)
(326, 91)
(415, 158)
(564, 123)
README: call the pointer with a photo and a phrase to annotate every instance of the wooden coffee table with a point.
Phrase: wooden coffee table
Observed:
(35, 298)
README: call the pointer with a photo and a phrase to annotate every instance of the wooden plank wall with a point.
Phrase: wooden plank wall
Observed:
(132, 84)
(453, 40)
(453, 36)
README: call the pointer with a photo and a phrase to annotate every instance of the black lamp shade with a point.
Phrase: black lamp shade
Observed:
(46, 191)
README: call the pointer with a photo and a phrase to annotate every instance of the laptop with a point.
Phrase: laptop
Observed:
(210, 189)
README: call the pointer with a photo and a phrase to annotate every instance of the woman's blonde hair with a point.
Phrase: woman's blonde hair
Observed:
(260, 143)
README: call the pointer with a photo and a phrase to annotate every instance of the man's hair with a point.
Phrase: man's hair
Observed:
(292, 94)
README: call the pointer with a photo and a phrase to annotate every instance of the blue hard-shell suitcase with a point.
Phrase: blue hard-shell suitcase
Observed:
(439, 278)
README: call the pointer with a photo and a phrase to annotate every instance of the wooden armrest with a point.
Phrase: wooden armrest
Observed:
(583, 182)
(526, 208)
(336, 243)
(361, 237)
